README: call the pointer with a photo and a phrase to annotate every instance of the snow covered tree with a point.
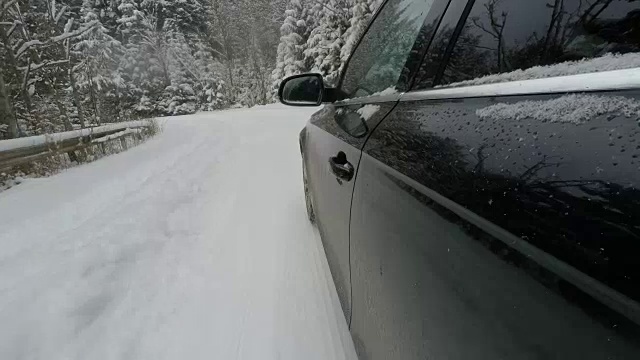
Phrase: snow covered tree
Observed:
(290, 58)
(256, 51)
(361, 12)
(129, 22)
(323, 48)
(319, 35)
(97, 53)
(172, 66)
(66, 62)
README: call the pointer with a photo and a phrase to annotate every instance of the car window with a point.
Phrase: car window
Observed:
(507, 40)
(379, 60)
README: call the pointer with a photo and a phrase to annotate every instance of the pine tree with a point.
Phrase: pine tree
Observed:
(290, 50)
(323, 48)
(97, 52)
(207, 70)
(129, 22)
(128, 29)
(361, 12)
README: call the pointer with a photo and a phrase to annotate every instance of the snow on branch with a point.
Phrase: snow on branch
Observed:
(58, 16)
(75, 33)
(68, 25)
(127, 19)
(8, 5)
(13, 27)
(42, 65)
(26, 46)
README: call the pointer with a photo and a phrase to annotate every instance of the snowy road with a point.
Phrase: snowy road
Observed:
(194, 245)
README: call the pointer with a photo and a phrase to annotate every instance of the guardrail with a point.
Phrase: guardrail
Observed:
(16, 152)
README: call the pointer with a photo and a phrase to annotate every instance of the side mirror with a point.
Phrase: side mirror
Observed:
(302, 90)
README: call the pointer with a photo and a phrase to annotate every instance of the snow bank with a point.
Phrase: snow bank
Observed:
(14, 144)
(575, 108)
(607, 62)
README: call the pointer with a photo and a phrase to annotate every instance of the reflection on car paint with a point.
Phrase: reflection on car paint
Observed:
(567, 190)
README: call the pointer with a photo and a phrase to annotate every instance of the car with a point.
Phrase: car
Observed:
(475, 177)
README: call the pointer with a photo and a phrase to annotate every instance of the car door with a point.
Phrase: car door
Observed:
(497, 215)
(375, 75)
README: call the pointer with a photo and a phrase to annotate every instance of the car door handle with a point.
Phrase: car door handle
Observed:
(341, 167)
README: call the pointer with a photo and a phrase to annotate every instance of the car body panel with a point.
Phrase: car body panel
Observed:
(331, 196)
(474, 236)
(487, 220)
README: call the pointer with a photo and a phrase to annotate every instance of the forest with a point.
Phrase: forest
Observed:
(70, 64)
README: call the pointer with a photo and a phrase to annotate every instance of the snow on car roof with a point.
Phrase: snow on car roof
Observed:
(607, 62)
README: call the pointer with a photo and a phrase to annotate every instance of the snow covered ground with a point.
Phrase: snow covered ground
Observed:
(194, 245)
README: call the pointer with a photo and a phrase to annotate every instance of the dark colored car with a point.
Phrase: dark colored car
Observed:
(475, 176)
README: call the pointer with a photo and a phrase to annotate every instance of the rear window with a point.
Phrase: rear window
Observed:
(508, 40)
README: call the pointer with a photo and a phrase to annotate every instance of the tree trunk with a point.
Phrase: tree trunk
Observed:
(98, 116)
(14, 65)
(6, 112)
(94, 99)
(76, 98)
(63, 112)
(74, 87)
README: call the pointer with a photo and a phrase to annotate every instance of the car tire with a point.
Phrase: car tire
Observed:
(307, 195)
